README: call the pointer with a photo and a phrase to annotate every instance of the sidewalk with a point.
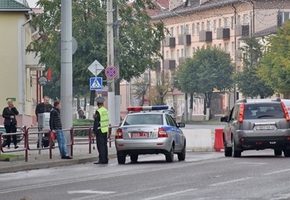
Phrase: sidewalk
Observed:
(40, 161)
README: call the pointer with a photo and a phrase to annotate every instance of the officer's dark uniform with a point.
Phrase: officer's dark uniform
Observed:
(101, 123)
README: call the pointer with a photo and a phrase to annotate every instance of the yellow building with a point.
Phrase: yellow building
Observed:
(18, 75)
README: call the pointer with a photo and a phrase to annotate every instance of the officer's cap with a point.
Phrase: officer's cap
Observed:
(100, 100)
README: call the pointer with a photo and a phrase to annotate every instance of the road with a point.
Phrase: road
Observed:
(204, 175)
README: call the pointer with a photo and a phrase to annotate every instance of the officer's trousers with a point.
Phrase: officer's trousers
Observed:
(102, 146)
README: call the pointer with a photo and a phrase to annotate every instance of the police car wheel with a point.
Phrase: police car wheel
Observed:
(181, 156)
(121, 158)
(170, 155)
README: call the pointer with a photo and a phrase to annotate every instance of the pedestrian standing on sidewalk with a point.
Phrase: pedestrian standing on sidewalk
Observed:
(101, 123)
(43, 107)
(56, 127)
(10, 123)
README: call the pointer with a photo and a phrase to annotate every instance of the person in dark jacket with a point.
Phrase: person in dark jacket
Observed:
(10, 123)
(43, 107)
(56, 127)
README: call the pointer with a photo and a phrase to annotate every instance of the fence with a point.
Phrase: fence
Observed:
(27, 132)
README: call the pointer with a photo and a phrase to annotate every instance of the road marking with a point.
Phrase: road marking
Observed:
(249, 163)
(170, 194)
(277, 172)
(282, 197)
(90, 192)
(231, 181)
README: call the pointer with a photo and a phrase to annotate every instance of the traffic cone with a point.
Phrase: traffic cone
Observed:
(218, 140)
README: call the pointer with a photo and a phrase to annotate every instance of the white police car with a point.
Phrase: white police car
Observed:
(149, 130)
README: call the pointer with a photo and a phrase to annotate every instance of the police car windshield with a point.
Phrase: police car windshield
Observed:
(154, 119)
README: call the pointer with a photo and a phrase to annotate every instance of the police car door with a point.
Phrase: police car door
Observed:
(174, 132)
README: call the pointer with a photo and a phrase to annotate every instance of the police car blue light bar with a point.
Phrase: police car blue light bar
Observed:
(143, 108)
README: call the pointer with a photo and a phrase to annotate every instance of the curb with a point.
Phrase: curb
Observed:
(50, 164)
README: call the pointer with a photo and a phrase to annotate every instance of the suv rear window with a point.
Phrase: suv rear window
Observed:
(257, 111)
(155, 119)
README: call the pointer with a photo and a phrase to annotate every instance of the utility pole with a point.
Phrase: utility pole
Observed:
(66, 67)
(110, 62)
(184, 57)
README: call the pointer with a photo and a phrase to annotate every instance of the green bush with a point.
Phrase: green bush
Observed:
(82, 122)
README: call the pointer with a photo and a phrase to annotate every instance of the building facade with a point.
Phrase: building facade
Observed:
(19, 70)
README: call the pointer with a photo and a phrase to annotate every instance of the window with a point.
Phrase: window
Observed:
(181, 30)
(208, 25)
(239, 19)
(220, 23)
(193, 50)
(177, 53)
(245, 19)
(226, 47)
(186, 29)
(187, 52)
(214, 25)
(182, 55)
(285, 17)
(232, 22)
(172, 54)
(193, 29)
(144, 119)
(233, 47)
(264, 110)
(167, 55)
(220, 45)
(172, 31)
(197, 28)
(202, 26)
(226, 22)
(177, 30)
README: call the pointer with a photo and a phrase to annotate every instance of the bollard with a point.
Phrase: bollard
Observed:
(218, 140)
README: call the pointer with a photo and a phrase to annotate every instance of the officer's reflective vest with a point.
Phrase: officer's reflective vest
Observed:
(104, 121)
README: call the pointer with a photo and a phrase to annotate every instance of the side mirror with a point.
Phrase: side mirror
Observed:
(180, 125)
(224, 119)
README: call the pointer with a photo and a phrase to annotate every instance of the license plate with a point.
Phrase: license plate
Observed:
(140, 135)
(266, 127)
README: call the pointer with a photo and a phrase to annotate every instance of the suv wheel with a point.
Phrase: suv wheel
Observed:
(277, 152)
(134, 157)
(236, 152)
(121, 158)
(228, 151)
(170, 155)
(287, 152)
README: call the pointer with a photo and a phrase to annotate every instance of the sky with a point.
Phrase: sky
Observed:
(32, 3)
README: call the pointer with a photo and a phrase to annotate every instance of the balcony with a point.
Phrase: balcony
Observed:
(169, 42)
(205, 36)
(238, 55)
(242, 30)
(181, 39)
(32, 61)
(223, 33)
(169, 64)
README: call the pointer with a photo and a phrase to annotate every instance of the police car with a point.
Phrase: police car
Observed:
(149, 130)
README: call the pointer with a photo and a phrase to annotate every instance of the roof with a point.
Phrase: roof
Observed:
(195, 6)
(161, 5)
(13, 5)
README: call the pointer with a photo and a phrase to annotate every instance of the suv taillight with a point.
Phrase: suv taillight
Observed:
(119, 134)
(285, 112)
(162, 133)
(241, 113)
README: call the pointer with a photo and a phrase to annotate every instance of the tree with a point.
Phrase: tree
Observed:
(138, 45)
(275, 65)
(160, 88)
(248, 81)
(210, 68)
(140, 89)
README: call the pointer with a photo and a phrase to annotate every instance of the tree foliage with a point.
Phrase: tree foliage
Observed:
(275, 65)
(138, 45)
(140, 89)
(210, 68)
(247, 80)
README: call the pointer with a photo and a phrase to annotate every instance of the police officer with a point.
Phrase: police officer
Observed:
(101, 123)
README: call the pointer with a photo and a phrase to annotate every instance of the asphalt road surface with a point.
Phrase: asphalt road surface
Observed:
(204, 175)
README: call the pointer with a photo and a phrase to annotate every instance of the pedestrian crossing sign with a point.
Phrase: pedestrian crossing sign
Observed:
(96, 83)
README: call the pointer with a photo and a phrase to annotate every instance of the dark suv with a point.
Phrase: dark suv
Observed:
(257, 124)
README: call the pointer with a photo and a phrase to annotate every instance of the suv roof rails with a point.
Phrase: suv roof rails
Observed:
(245, 100)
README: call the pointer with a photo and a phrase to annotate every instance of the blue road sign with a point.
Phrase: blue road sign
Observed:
(96, 83)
